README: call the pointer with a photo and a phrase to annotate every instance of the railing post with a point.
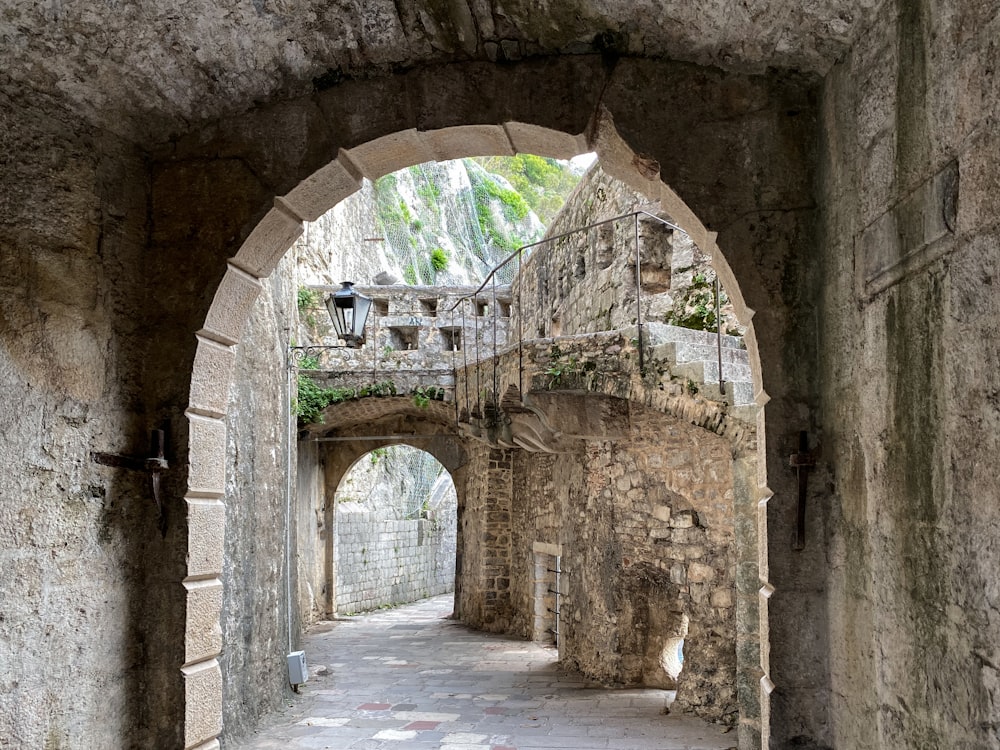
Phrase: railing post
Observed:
(638, 297)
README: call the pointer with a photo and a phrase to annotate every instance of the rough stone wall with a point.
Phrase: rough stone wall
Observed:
(909, 413)
(413, 328)
(383, 561)
(91, 610)
(337, 246)
(647, 534)
(585, 282)
(315, 537)
(211, 188)
(259, 488)
(485, 540)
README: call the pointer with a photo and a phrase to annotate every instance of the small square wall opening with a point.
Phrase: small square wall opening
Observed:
(381, 306)
(504, 308)
(404, 339)
(429, 307)
(452, 338)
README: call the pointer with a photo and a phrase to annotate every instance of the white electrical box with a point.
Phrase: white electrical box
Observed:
(297, 671)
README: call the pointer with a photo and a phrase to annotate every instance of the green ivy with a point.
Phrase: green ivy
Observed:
(309, 363)
(423, 395)
(307, 298)
(313, 398)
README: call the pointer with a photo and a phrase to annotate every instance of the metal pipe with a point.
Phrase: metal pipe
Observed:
(289, 438)
(465, 363)
(454, 366)
(558, 572)
(638, 295)
(496, 376)
(479, 384)
(520, 334)
(718, 334)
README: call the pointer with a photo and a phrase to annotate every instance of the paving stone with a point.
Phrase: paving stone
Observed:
(468, 691)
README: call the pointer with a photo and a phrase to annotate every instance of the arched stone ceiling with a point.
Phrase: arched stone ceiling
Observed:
(152, 68)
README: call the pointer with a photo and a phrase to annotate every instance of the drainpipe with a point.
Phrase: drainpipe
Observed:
(288, 498)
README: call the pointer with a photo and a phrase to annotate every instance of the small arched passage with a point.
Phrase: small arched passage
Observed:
(293, 161)
(395, 515)
(350, 431)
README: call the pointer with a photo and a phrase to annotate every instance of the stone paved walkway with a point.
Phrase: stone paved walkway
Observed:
(410, 679)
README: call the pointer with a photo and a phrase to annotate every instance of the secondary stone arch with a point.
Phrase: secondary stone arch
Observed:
(257, 257)
(388, 543)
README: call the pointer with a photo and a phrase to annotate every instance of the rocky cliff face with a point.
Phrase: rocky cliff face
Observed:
(443, 223)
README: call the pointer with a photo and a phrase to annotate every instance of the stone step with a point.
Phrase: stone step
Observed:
(661, 333)
(733, 372)
(738, 393)
(679, 351)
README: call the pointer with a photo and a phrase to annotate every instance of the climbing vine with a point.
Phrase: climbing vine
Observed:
(313, 398)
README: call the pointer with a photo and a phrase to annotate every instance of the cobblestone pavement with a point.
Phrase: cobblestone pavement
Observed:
(411, 679)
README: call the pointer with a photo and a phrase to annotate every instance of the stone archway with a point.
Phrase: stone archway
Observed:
(230, 308)
(393, 515)
(366, 424)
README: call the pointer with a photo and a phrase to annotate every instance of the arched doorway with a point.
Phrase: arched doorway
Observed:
(261, 250)
(394, 515)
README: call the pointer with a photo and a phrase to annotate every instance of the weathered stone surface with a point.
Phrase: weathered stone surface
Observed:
(260, 623)
(111, 258)
(146, 83)
(88, 583)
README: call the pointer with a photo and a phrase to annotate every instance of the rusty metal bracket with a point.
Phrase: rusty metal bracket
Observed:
(155, 463)
(802, 462)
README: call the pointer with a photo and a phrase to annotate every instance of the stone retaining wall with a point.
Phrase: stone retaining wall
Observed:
(382, 561)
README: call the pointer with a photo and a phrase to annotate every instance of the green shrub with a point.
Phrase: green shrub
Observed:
(439, 259)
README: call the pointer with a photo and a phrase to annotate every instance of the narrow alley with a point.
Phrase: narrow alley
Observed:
(412, 678)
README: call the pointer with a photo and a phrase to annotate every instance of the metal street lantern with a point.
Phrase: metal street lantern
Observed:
(349, 310)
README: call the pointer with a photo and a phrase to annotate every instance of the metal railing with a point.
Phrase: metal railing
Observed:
(517, 256)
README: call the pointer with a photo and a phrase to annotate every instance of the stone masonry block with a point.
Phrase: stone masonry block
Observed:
(213, 367)
(207, 456)
(231, 307)
(202, 631)
(700, 573)
(722, 598)
(206, 537)
(534, 139)
(323, 189)
(202, 703)
(270, 239)
(469, 140)
(390, 153)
